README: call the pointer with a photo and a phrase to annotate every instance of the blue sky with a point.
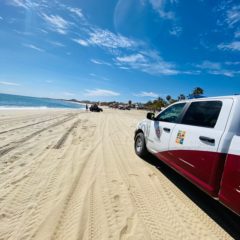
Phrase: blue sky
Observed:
(119, 50)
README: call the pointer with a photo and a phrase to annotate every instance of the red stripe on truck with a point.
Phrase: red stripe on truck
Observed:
(201, 167)
(209, 172)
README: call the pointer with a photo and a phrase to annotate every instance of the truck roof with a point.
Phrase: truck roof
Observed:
(237, 97)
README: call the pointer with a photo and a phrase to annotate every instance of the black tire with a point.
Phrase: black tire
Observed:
(140, 145)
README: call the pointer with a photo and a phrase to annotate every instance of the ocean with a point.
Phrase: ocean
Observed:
(8, 101)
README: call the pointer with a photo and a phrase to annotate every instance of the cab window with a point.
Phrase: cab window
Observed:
(202, 114)
(171, 114)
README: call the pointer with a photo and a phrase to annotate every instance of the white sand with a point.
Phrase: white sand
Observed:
(74, 175)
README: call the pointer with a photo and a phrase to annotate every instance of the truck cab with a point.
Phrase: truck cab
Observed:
(200, 139)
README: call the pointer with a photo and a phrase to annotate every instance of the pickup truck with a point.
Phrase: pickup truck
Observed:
(200, 139)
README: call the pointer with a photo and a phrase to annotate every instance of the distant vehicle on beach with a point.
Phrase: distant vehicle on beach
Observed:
(124, 107)
(200, 139)
(95, 108)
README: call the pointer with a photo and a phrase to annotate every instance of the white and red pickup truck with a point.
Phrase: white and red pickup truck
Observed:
(200, 139)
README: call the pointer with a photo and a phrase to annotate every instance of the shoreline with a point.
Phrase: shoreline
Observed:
(2, 108)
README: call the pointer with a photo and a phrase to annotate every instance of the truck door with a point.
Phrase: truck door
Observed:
(160, 129)
(195, 140)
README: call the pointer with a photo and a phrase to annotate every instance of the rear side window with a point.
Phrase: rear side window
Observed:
(202, 114)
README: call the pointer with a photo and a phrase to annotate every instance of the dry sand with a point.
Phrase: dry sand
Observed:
(74, 175)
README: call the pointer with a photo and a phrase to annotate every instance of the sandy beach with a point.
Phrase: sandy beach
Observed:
(69, 174)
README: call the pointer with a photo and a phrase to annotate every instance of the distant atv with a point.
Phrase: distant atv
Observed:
(95, 108)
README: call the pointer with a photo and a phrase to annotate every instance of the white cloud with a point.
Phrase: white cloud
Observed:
(227, 73)
(57, 23)
(77, 11)
(160, 6)
(232, 63)
(43, 31)
(1, 18)
(149, 62)
(81, 42)
(99, 77)
(105, 38)
(175, 31)
(216, 68)
(26, 4)
(124, 68)
(57, 44)
(100, 93)
(100, 62)
(9, 83)
(234, 46)
(233, 15)
(209, 65)
(23, 33)
(147, 94)
(231, 18)
(34, 47)
(132, 58)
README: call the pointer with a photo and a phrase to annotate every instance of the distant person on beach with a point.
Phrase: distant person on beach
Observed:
(86, 107)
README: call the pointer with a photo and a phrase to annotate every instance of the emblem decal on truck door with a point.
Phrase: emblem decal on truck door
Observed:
(157, 129)
(180, 137)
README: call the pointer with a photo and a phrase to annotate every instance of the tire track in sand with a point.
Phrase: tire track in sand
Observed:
(29, 125)
(66, 220)
(32, 215)
(62, 140)
(11, 146)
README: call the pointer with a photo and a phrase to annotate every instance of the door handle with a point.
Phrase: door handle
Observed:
(166, 129)
(207, 139)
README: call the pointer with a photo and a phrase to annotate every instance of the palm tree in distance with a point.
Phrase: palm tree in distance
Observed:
(181, 97)
(168, 97)
(197, 91)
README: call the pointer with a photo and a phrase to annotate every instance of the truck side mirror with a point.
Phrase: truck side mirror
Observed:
(150, 116)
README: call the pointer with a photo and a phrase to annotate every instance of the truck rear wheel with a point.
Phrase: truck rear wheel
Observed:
(140, 145)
